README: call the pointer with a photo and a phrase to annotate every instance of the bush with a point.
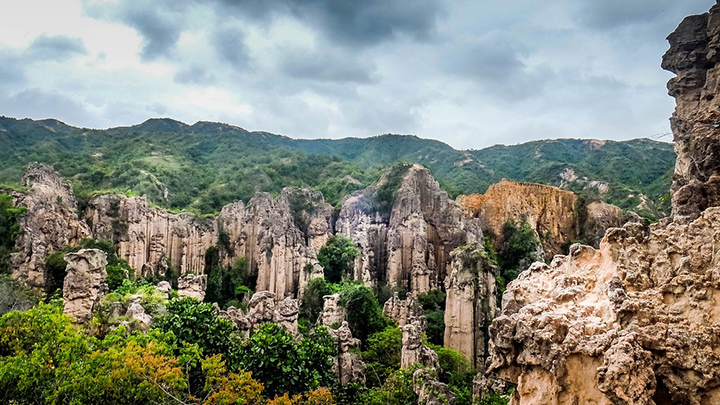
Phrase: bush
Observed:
(312, 299)
(15, 296)
(337, 257)
(9, 230)
(382, 355)
(364, 314)
(433, 304)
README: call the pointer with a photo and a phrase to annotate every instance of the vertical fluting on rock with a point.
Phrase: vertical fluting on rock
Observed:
(402, 311)
(410, 245)
(50, 223)
(192, 286)
(413, 350)
(84, 283)
(471, 303)
(333, 313)
(150, 239)
(349, 365)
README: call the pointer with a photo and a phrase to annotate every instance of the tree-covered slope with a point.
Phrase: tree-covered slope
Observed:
(206, 165)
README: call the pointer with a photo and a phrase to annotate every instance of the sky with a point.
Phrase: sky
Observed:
(471, 73)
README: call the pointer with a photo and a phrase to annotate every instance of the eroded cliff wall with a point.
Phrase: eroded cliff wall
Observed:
(635, 322)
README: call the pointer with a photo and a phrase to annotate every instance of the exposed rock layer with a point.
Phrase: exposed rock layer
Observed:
(637, 320)
(85, 283)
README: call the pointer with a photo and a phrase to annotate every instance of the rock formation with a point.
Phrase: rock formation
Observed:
(193, 286)
(600, 217)
(413, 350)
(136, 311)
(429, 390)
(149, 238)
(349, 366)
(51, 223)
(263, 308)
(471, 303)
(408, 245)
(550, 211)
(637, 320)
(266, 233)
(402, 311)
(85, 283)
(332, 313)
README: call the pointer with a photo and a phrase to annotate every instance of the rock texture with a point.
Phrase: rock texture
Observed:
(413, 350)
(85, 283)
(550, 211)
(193, 286)
(149, 238)
(637, 321)
(349, 365)
(279, 237)
(471, 303)
(263, 308)
(600, 217)
(410, 245)
(332, 313)
(51, 223)
(429, 390)
(403, 311)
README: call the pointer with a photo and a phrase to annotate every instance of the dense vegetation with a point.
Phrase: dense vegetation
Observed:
(206, 165)
(9, 230)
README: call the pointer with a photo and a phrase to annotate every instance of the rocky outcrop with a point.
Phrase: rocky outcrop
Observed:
(348, 366)
(693, 57)
(150, 239)
(263, 308)
(550, 211)
(403, 311)
(84, 283)
(405, 227)
(413, 350)
(429, 390)
(637, 320)
(50, 223)
(471, 303)
(277, 250)
(333, 313)
(193, 286)
(600, 217)
(137, 312)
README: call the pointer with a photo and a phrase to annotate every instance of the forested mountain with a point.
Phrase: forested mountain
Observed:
(203, 166)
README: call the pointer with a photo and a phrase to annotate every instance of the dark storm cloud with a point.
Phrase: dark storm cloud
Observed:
(351, 22)
(159, 32)
(57, 48)
(38, 104)
(325, 65)
(609, 14)
(230, 46)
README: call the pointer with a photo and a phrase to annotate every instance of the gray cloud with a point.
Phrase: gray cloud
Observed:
(610, 14)
(159, 33)
(38, 104)
(57, 48)
(194, 75)
(326, 65)
(230, 46)
(351, 22)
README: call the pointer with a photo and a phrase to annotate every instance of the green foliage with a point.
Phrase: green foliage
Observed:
(151, 299)
(312, 300)
(9, 230)
(457, 373)
(518, 250)
(382, 355)
(228, 287)
(364, 314)
(397, 390)
(55, 271)
(195, 322)
(385, 194)
(496, 398)
(338, 258)
(273, 356)
(15, 295)
(433, 304)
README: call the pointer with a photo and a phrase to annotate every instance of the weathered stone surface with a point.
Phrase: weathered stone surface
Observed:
(429, 390)
(332, 313)
(348, 366)
(264, 308)
(693, 56)
(601, 216)
(410, 245)
(164, 287)
(550, 211)
(266, 234)
(286, 315)
(413, 350)
(402, 311)
(51, 223)
(261, 308)
(84, 283)
(149, 238)
(192, 285)
(471, 303)
(136, 311)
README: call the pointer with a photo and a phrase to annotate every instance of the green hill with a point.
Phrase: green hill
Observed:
(203, 166)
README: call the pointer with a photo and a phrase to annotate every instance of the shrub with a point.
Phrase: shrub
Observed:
(382, 355)
(337, 257)
(364, 314)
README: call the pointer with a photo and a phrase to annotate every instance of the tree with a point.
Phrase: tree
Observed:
(382, 355)
(9, 230)
(337, 257)
(364, 313)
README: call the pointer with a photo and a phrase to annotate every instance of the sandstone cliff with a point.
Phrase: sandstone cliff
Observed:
(85, 283)
(149, 238)
(51, 223)
(635, 322)
(410, 245)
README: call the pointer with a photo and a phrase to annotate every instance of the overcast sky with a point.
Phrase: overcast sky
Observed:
(471, 73)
